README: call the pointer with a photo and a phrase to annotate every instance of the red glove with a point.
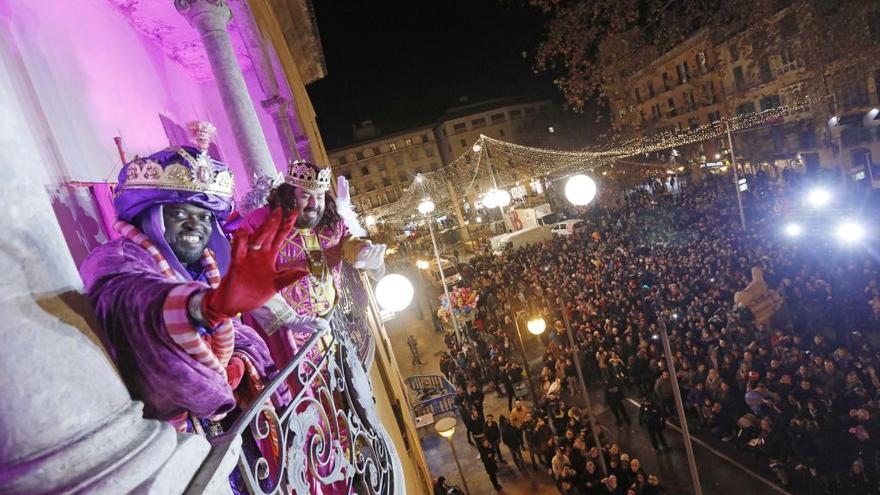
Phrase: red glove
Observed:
(252, 278)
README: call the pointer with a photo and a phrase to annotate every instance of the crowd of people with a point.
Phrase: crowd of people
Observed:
(798, 389)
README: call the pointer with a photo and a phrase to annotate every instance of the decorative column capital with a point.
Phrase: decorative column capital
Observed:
(276, 105)
(205, 15)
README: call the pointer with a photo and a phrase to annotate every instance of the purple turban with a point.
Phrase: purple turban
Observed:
(202, 181)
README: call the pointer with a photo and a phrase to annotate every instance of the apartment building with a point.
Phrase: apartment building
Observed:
(379, 167)
(703, 80)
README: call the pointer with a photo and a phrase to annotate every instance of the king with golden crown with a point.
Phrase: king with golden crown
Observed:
(324, 236)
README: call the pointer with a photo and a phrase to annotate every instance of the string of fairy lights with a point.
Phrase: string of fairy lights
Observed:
(492, 163)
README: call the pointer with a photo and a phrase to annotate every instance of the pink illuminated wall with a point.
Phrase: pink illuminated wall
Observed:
(86, 75)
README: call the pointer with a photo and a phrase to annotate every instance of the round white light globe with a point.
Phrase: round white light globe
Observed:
(536, 326)
(394, 292)
(477, 148)
(489, 199)
(502, 198)
(370, 220)
(426, 207)
(580, 190)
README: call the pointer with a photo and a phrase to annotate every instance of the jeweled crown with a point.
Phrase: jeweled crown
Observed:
(200, 176)
(302, 174)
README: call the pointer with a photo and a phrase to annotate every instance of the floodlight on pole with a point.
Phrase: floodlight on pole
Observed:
(426, 207)
(580, 190)
(818, 197)
(394, 292)
(850, 232)
(536, 326)
(793, 230)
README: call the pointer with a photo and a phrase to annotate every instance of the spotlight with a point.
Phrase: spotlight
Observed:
(850, 232)
(793, 230)
(818, 197)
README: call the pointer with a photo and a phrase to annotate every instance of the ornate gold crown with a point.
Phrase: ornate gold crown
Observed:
(301, 174)
(200, 177)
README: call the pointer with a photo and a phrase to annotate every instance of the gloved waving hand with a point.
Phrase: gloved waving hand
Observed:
(252, 278)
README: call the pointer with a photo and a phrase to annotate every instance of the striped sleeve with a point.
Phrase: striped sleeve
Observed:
(181, 329)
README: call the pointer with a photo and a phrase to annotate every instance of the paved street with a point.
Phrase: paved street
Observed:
(722, 469)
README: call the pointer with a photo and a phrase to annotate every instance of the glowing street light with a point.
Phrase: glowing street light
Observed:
(850, 231)
(536, 326)
(793, 230)
(477, 148)
(818, 197)
(370, 220)
(422, 264)
(496, 198)
(394, 292)
(426, 207)
(446, 428)
(580, 190)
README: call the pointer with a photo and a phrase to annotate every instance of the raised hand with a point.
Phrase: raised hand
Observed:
(370, 257)
(253, 277)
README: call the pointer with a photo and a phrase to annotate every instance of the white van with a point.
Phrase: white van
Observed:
(450, 272)
(520, 238)
(568, 227)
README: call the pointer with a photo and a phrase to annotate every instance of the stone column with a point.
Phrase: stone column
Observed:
(277, 107)
(67, 423)
(211, 19)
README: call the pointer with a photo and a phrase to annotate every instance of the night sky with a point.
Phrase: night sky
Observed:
(402, 64)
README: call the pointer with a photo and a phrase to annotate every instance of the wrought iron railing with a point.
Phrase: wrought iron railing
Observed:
(328, 438)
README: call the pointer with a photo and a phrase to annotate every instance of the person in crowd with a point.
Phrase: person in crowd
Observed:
(653, 417)
(487, 456)
(513, 438)
(493, 434)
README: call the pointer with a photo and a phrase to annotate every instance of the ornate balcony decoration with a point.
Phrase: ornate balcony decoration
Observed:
(328, 439)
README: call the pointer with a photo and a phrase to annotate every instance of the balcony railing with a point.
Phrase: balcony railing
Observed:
(328, 438)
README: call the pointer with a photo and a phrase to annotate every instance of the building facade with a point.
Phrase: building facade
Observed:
(379, 168)
(704, 80)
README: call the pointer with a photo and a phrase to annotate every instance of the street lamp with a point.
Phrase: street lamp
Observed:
(394, 292)
(422, 264)
(538, 329)
(446, 428)
(793, 230)
(426, 207)
(370, 221)
(850, 232)
(536, 326)
(580, 190)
